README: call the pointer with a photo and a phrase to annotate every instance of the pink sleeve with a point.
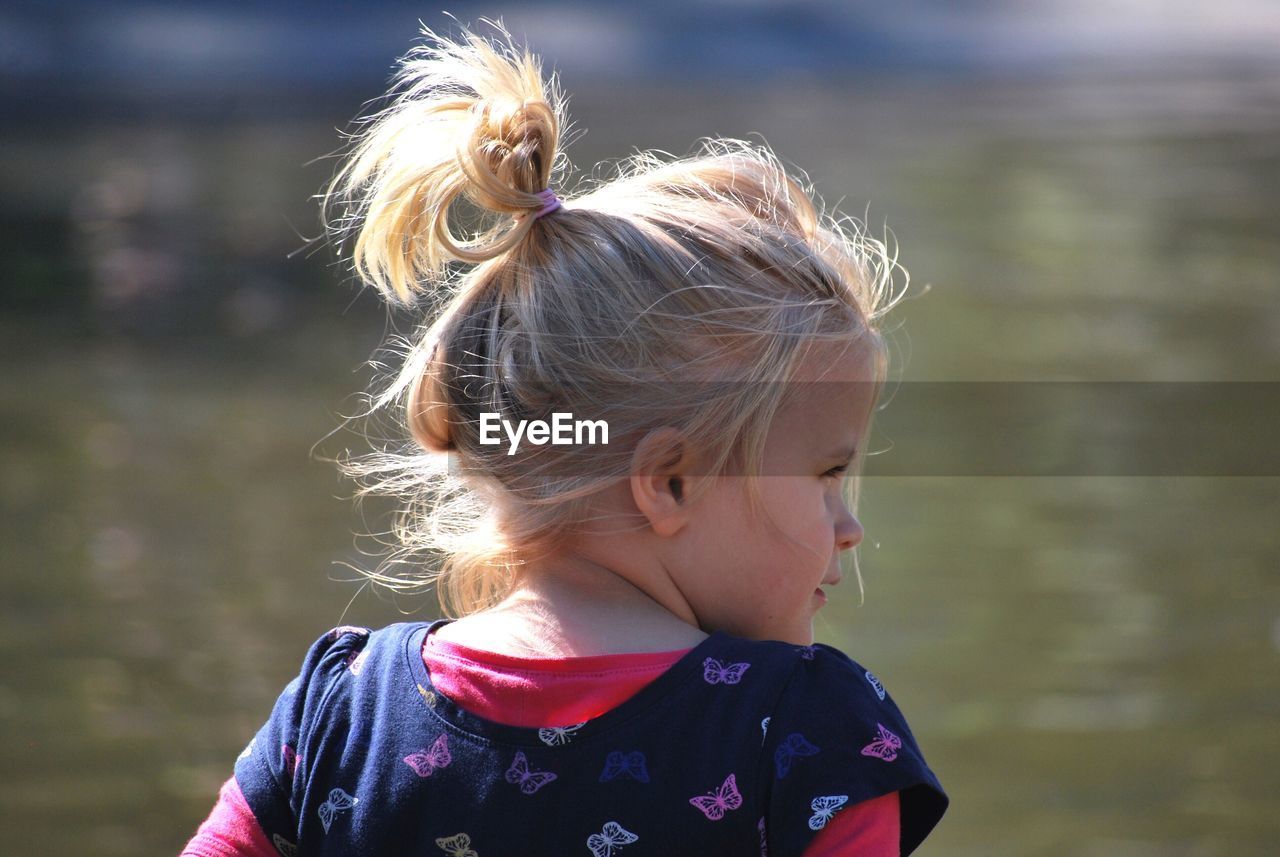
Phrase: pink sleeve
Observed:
(867, 829)
(230, 830)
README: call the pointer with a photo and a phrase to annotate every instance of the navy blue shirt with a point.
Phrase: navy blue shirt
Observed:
(741, 747)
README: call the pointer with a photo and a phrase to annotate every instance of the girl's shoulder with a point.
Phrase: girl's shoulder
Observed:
(825, 669)
(799, 671)
(334, 668)
(350, 662)
(348, 651)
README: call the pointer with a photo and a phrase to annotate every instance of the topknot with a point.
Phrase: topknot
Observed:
(471, 119)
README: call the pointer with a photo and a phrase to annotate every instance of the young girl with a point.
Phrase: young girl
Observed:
(633, 671)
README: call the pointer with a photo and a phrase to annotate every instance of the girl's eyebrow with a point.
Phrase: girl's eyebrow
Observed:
(844, 453)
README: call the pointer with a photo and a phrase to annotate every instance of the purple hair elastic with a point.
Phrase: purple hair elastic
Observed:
(550, 200)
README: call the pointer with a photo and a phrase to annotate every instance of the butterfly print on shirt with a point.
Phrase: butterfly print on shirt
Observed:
(556, 736)
(823, 808)
(458, 845)
(792, 747)
(618, 764)
(284, 846)
(424, 762)
(714, 672)
(611, 838)
(355, 663)
(886, 746)
(528, 781)
(716, 803)
(337, 802)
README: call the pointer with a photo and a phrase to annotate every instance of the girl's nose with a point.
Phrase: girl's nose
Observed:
(848, 530)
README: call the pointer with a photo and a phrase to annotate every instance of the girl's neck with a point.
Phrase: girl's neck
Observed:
(569, 610)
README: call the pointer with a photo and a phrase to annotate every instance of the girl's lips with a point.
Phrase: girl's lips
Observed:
(822, 596)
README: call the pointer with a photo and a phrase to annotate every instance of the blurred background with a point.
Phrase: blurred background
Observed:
(1082, 190)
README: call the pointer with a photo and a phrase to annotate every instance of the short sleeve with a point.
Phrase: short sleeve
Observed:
(271, 771)
(836, 738)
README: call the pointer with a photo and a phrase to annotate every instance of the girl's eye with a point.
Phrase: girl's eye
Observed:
(837, 472)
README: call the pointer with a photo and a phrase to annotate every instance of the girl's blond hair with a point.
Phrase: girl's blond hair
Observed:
(627, 304)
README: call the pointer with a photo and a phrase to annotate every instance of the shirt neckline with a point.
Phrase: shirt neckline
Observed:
(583, 664)
(459, 720)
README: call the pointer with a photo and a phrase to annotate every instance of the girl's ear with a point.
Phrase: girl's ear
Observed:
(662, 465)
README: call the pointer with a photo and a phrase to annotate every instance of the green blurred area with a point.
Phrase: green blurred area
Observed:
(1089, 663)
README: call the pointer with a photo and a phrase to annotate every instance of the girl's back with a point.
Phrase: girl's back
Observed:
(740, 742)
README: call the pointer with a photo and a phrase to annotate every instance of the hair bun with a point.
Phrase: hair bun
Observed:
(471, 118)
(519, 143)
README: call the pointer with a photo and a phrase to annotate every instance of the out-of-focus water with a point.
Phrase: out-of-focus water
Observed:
(1091, 664)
